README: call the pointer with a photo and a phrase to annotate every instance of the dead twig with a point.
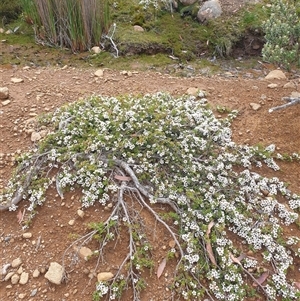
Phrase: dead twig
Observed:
(291, 101)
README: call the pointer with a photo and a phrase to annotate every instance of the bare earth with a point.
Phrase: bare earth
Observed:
(45, 89)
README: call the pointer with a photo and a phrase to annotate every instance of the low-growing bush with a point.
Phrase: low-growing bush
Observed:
(9, 10)
(228, 223)
(282, 34)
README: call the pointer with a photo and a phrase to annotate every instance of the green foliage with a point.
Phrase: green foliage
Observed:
(9, 10)
(75, 24)
(282, 34)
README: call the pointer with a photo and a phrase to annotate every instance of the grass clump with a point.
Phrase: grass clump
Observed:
(75, 24)
(137, 152)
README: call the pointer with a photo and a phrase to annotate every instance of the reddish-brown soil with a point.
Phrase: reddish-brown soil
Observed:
(45, 89)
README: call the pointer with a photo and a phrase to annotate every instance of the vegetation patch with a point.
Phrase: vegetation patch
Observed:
(228, 223)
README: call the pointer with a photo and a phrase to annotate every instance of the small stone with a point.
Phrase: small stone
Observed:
(192, 91)
(4, 93)
(80, 213)
(104, 276)
(36, 273)
(33, 292)
(138, 28)
(71, 222)
(272, 86)
(22, 296)
(64, 67)
(172, 243)
(55, 273)
(96, 49)
(16, 80)
(8, 276)
(16, 262)
(5, 102)
(276, 74)
(24, 278)
(99, 73)
(295, 94)
(15, 279)
(255, 106)
(85, 253)
(35, 136)
(289, 85)
(20, 270)
(27, 235)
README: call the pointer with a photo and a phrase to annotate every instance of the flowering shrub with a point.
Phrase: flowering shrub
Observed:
(158, 149)
(282, 34)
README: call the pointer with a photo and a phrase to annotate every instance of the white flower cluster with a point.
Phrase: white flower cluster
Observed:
(178, 150)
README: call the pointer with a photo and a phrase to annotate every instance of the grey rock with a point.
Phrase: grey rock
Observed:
(33, 292)
(4, 268)
(209, 10)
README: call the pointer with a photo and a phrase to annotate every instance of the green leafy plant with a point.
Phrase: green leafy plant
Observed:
(282, 34)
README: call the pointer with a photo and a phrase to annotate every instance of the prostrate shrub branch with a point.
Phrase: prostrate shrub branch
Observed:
(140, 151)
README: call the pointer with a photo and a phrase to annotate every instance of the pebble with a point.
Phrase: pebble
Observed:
(22, 296)
(24, 278)
(16, 262)
(15, 279)
(36, 273)
(33, 292)
(104, 276)
(16, 80)
(4, 93)
(8, 276)
(27, 235)
(255, 106)
(6, 102)
(71, 222)
(272, 86)
(80, 213)
(85, 253)
(99, 73)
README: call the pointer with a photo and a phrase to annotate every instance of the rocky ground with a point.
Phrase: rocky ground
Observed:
(28, 256)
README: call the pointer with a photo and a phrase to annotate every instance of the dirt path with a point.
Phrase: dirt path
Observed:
(44, 89)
